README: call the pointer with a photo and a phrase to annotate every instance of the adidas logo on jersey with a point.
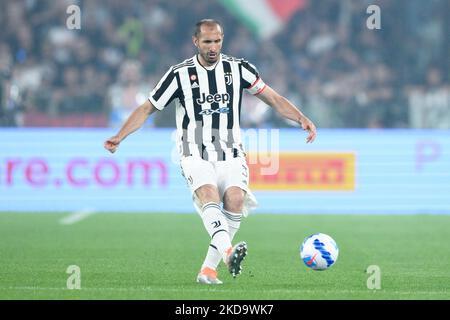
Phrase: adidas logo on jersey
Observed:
(195, 85)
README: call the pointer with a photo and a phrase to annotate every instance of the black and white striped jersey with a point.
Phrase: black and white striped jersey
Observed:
(208, 104)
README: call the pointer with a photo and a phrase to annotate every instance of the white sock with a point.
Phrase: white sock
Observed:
(234, 222)
(217, 227)
(213, 256)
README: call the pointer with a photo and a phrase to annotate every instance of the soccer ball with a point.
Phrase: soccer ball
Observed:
(319, 251)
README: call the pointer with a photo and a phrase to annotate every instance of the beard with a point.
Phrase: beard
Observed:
(211, 59)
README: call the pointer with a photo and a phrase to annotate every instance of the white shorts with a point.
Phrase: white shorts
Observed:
(222, 174)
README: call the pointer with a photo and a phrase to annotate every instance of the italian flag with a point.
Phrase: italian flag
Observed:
(264, 17)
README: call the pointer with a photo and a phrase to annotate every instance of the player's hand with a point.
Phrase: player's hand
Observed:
(310, 127)
(112, 144)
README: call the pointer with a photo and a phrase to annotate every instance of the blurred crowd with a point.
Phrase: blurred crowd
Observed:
(325, 60)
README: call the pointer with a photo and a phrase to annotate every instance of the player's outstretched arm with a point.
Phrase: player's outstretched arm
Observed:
(134, 122)
(288, 110)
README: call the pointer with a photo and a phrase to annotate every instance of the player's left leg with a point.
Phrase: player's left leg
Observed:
(236, 196)
(233, 203)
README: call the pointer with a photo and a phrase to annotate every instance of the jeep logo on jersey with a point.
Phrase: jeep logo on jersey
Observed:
(211, 98)
(207, 112)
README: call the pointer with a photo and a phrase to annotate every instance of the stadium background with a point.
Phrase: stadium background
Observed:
(380, 100)
(321, 55)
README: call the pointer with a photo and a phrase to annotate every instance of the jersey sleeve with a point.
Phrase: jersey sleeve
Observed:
(165, 91)
(250, 78)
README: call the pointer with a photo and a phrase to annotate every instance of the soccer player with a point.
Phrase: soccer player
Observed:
(207, 90)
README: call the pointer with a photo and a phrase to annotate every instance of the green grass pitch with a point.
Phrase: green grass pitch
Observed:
(157, 256)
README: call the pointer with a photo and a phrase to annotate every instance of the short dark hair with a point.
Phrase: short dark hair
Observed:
(208, 22)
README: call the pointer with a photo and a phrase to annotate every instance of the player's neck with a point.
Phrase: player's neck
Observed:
(205, 64)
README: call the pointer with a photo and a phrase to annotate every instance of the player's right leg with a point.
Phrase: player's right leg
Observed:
(213, 219)
(233, 203)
